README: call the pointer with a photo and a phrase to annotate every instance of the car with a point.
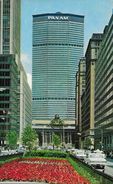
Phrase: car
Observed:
(96, 160)
(71, 150)
(80, 153)
(99, 151)
(21, 150)
(50, 147)
(5, 152)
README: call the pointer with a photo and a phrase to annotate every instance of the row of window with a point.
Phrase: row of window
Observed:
(5, 91)
(4, 105)
(4, 66)
(4, 73)
(64, 44)
(53, 98)
(4, 98)
(4, 82)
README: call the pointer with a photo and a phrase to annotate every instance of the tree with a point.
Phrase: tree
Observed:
(57, 121)
(29, 137)
(56, 140)
(11, 139)
(87, 143)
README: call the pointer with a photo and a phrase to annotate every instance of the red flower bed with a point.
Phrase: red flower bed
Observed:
(38, 169)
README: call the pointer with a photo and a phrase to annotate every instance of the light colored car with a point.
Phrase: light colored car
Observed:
(5, 152)
(99, 151)
(80, 153)
(71, 150)
(50, 147)
(21, 150)
(96, 160)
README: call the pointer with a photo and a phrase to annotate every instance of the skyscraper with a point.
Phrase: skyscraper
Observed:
(10, 27)
(15, 94)
(104, 91)
(57, 47)
(9, 67)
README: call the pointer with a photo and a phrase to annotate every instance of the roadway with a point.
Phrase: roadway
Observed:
(109, 167)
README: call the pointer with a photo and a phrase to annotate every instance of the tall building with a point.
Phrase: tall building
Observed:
(12, 74)
(10, 27)
(9, 67)
(25, 101)
(104, 91)
(80, 87)
(9, 99)
(89, 94)
(57, 47)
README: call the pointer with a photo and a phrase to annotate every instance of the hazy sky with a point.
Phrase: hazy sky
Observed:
(97, 14)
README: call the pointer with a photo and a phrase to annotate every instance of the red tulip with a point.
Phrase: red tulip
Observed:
(39, 169)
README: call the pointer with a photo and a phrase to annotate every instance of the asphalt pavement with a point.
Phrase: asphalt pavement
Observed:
(109, 167)
(109, 170)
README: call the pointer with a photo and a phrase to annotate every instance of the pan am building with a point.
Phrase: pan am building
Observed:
(58, 40)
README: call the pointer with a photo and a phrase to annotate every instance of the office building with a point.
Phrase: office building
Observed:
(57, 47)
(104, 91)
(10, 27)
(9, 66)
(91, 56)
(80, 87)
(11, 72)
(9, 99)
(25, 101)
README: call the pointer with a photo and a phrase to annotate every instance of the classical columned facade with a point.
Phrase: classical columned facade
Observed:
(45, 133)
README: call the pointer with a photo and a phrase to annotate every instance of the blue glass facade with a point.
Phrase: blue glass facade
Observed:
(57, 47)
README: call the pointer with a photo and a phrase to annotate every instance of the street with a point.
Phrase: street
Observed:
(109, 171)
(109, 167)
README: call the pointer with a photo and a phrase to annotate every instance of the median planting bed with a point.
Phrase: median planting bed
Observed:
(41, 169)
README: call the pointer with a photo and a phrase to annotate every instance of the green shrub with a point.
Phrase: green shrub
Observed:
(8, 160)
(84, 171)
(46, 153)
(8, 157)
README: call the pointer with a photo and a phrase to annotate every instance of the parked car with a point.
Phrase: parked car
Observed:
(96, 160)
(5, 152)
(71, 150)
(21, 150)
(50, 147)
(80, 153)
(99, 151)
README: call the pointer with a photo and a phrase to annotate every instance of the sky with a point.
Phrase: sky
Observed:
(97, 14)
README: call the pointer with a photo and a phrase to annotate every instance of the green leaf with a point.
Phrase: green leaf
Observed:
(29, 137)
